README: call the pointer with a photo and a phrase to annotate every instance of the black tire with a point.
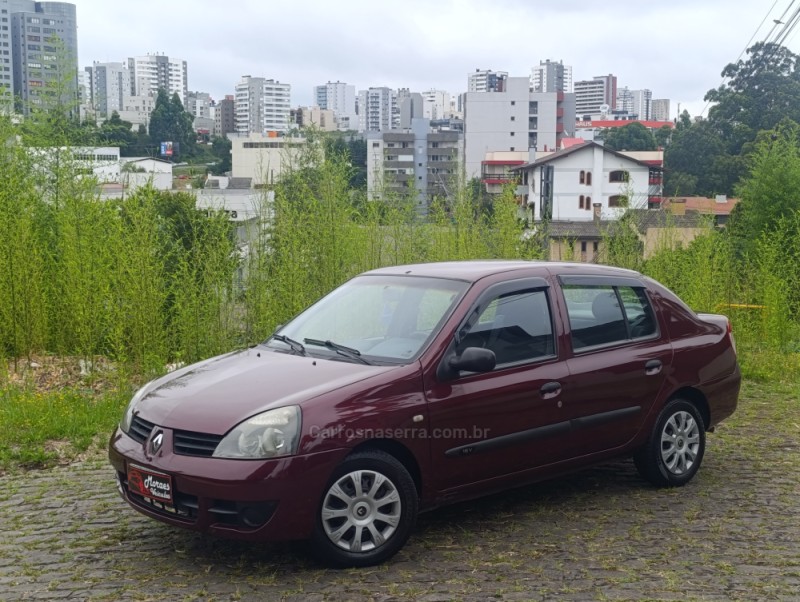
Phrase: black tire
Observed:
(675, 449)
(355, 529)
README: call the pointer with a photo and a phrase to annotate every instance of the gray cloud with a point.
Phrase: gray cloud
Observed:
(678, 50)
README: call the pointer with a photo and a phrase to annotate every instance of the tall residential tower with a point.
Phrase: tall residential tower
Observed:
(43, 52)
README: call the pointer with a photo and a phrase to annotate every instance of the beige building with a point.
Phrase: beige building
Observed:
(263, 157)
(656, 229)
(322, 119)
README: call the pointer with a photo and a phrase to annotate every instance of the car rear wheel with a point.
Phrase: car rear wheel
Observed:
(367, 512)
(674, 451)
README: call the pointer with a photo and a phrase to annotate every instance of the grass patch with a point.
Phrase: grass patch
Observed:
(45, 428)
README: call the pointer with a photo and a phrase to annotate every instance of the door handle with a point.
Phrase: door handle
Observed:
(653, 367)
(550, 390)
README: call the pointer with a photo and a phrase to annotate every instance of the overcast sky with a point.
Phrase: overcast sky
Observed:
(676, 48)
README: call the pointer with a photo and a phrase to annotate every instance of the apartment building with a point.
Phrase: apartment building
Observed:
(321, 119)
(551, 76)
(107, 86)
(487, 81)
(514, 120)
(6, 59)
(157, 71)
(422, 160)
(378, 110)
(660, 109)
(635, 103)
(340, 98)
(43, 51)
(594, 95)
(203, 108)
(261, 105)
(224, 116)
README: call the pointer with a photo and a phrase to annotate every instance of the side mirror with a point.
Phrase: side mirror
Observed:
(472, 359)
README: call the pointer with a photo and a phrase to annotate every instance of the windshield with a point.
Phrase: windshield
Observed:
(385, 318)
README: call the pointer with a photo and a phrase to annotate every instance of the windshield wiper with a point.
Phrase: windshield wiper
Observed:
(295, 346)
(353, 354)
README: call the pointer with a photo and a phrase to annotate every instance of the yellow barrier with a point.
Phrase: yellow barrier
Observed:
(739, 306)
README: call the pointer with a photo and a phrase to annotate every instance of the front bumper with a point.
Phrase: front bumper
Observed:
(255, 500)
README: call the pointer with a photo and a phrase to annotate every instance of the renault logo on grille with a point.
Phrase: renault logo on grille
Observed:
(156, 442)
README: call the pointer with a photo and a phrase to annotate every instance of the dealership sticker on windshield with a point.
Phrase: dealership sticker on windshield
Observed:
(150, 484)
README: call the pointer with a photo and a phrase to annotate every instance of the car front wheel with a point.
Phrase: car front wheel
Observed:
(673, 453)
(367, 512)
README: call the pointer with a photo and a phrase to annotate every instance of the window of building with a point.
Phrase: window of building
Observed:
(618, 176)
(533, 107)
(588, 178)
(376, 144)
(511, 134)
(582, 178)
(581, 201)
(594, 246)
(583, 246)
(588, 203)
(513, 118)
(513, 102)
(511, 149)
(34, 38)
(618, 200)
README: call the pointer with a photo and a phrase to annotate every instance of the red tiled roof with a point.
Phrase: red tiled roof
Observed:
(567, 142)
(704, 205)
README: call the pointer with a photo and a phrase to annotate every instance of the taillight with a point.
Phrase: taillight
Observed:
(730, 335)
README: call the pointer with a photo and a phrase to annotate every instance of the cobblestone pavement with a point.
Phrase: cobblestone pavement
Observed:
(601, 534)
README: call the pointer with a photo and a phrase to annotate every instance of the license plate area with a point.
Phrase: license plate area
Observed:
(150, 484)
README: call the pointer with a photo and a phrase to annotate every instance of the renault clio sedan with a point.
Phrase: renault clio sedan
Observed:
(415, 386)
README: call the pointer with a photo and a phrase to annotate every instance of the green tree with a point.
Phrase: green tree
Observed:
(221, 149)
(760, 91)
(692, 156)
(116, 132)
(631, 137)
(169, 122)
(663, 135)
(769, 193)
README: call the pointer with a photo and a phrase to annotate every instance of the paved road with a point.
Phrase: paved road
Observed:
(602, 534)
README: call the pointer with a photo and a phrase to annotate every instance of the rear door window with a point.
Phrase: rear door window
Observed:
(604, 315)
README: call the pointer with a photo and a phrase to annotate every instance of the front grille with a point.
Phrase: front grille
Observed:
(195, 444)
(140, 429)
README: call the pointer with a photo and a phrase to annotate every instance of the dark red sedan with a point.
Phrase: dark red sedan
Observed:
(415, 386)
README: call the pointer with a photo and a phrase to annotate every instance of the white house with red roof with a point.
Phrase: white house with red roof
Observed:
(576, 182)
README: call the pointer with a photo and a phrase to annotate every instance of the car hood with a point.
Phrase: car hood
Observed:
(215, 395)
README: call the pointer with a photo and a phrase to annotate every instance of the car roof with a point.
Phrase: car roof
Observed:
(473, 270)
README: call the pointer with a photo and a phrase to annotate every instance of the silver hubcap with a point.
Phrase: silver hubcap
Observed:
(361, 511)
(680, 443)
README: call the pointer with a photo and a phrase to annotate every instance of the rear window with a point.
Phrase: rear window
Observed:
(604, 315)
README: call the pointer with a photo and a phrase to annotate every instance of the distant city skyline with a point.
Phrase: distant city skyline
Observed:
(678, 50)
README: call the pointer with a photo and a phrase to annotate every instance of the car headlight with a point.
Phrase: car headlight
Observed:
(267, 435)
(127, 418)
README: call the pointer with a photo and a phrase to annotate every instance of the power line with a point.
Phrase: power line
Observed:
(750, 41)
(788, 27)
